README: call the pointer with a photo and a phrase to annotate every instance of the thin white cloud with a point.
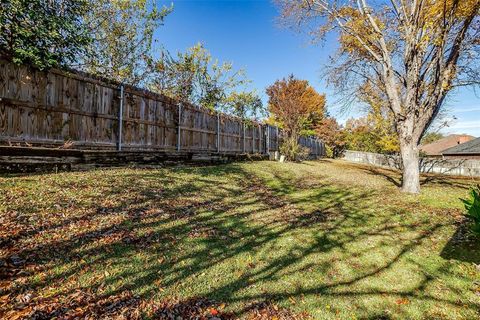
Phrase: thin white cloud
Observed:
(473, 109)
(465, 125)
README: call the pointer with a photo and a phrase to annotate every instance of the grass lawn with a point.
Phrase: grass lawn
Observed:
(256, 240)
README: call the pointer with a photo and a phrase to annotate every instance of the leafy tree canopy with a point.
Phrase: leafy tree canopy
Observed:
(196, 77)
(366, 134)
(332, 134)
(432, 137)
(122, 32)
(244, 104)
(43, 33)
(296, 106)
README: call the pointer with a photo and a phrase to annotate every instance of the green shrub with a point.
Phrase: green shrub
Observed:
(329, 151)
(472, 205)
(294, 151)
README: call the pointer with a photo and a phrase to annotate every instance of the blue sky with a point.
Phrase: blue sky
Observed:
(245, 32)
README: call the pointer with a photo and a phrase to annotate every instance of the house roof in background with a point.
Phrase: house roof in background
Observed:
(470, 147)
(436, 148)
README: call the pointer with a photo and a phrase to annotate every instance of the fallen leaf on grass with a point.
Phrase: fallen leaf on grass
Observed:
(270, 311)
(402, 301)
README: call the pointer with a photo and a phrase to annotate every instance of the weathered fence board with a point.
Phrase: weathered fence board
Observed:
(52, 108)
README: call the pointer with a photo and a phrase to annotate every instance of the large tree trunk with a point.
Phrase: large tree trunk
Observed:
(411, 167)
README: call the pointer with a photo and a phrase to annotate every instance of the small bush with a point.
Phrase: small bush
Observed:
(293, 151)
(472, 205)
(329, 151)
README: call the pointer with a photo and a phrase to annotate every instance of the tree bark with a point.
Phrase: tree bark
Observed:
(411, 167)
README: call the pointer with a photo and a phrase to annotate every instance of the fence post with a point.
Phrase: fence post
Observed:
(253, 139)
(120, 120)
(267, 139)
(179, 141)
(243, 136)
(264, 132)
(218, 132)
(259, 126)
(262, 138)
(277, 142)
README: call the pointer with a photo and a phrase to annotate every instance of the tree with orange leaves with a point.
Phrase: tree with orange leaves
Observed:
(296, 107)
(332, 135)
(411, 52)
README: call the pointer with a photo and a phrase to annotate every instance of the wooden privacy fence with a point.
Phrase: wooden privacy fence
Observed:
(52, 108)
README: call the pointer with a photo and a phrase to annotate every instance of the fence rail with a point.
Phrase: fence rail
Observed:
(49, 108)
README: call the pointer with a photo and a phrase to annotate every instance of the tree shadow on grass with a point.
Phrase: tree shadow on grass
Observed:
(463, 245)
(389, 175)
(216, 232)
(448, 181)
(394, 177)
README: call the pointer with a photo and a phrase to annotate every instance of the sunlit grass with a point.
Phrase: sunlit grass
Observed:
(330, 238)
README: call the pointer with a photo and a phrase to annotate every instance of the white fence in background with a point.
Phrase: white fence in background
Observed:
(455, 167)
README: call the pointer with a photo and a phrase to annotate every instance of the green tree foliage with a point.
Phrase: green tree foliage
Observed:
(430, 137)
(359, 136)
(43, 33)
(195, 77)
(244, 104)
(370, 134)
(375, 132)
(379, 120)
(122, 32)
